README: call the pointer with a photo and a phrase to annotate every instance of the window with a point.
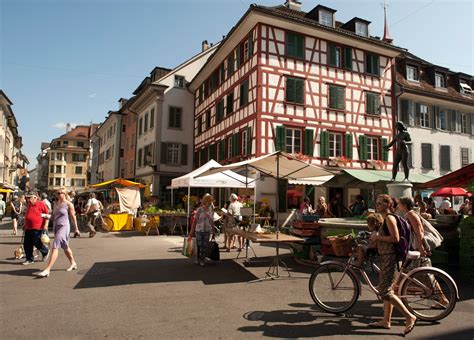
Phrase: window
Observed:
(229, 148)
(335, 144)
(465, 88)
(80, 144)
(51, 181)
(208, 119)
(426, 157)
(148, 154)
(361, 29)
(152, 118)
(294, 90)
(220, 111)
(293, 140)
(179, 81)
(294, 45)
(372, 64)
(464, 157)
(59, 156)
(199, 125)
(79, 182)
(244, 93)
(65, 142)
(52, 156)
(145, 123)
(175, 114)
(140, 157)
(445, 158)
(78, 157)
(456, 121)
(246, 142)
(57, 181)
(107, 154)
(140, 126)
(440, 80)
(230, 103)
(172, 154)
(443, 119)
(412, 73)
(325, 18)
(372, 103)
(373, 148)
(464, 123)
(336, 97)
(51, 169)
(424, 116)
(334, 56)
(78, 170)
(230, 64)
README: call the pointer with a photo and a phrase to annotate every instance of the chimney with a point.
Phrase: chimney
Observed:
(293, 4)
(68, 127)
(122, 102)
(205, 45)
(386, 34)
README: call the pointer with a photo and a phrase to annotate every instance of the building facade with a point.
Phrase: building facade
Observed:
(128, 139)
(437, 105)
(165, 111)
(301, 82)
(68, 159)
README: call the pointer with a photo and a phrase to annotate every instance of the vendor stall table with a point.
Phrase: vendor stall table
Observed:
(123, 221)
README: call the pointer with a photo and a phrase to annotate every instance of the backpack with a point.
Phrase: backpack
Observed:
(404, 230)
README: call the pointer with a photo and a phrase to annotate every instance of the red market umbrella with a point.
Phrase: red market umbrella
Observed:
(449, 192)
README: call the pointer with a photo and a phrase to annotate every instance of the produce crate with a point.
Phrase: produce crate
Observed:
(342, 245)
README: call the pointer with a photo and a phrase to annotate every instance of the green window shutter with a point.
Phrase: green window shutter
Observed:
(324, 144)
(376, 65)
(348, 58)
(299, 89)
(332, 55)
(290, 45)
(222, 71)
(221, 150)
(349, 145)
(300, 46)
(249, 141)
(384, 151)
(308, 142)
(235, 144)
(362, 148)
(237, 50)
(184, 154)
(212, 151)
(280, 138)
(250, 44)
(332, 97)
(340, 98)
(290, 90)
(368, 63)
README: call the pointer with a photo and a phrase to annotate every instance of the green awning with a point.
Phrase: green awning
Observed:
(365, 178)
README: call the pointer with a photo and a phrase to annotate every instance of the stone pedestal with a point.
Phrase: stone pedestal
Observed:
(400, 189)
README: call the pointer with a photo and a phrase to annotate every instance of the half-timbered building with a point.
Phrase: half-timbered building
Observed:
(284, 79)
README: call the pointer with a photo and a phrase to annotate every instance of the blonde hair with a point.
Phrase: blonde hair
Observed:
(375, 220)
(207, 199)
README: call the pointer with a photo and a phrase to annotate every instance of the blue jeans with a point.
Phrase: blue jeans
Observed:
(202, 242)
(33, 238)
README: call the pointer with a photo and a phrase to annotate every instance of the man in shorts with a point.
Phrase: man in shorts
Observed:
(93, 205)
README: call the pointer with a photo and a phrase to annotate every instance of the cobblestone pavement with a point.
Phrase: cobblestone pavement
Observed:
(137, 287)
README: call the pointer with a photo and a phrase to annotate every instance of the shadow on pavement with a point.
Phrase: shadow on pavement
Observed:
(104, 274)
(467, 333)
(20, 272)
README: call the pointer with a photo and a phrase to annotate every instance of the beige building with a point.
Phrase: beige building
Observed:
(68, 157)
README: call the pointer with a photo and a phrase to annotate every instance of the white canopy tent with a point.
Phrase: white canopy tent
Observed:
(224, 179)
(279, 165)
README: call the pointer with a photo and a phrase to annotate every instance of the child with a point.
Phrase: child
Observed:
(374, 222)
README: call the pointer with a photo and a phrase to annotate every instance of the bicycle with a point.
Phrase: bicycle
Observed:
(100, 222)
(334, 287)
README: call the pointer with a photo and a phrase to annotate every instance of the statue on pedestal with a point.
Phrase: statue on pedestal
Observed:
(402, 139)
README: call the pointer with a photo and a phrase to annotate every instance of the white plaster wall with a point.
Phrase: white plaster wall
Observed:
(110, 166)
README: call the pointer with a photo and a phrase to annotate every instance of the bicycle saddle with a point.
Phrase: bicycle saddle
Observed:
(413, 255)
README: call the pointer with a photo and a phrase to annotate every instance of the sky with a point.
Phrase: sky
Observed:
(72, 60)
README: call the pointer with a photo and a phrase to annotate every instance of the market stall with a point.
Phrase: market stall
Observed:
(125, 201)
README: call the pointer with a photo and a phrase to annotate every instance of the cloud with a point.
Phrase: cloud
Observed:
(62, 125)
(92, 95)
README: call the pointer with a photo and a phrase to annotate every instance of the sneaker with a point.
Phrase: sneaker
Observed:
(45, 257)
(27, 262)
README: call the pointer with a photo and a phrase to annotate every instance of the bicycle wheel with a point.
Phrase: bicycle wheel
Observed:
(107, 223)
(97, 223)
(423, 292)
(332, 289)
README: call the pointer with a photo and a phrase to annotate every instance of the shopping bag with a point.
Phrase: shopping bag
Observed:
(213, 251)
(188, 247)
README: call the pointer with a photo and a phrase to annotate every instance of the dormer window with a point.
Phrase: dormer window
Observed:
(440, 80)
(325, 18)
(361, 29)
(465, 88)
(179, 81)
(412, 73)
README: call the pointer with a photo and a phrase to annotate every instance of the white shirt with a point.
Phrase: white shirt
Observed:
(445, 205)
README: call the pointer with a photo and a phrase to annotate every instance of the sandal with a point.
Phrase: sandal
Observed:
(378, 324)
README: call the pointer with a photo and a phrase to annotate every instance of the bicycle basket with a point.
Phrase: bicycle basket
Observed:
(341, 244)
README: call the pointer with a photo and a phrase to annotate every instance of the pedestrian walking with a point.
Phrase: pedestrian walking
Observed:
(2, 207)
(35, 222)
(202, 228)
(18, 206)
(63, 212)
(93, 205)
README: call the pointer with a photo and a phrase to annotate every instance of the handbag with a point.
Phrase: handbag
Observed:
(188, 247)
(432, 239)
(213, 251)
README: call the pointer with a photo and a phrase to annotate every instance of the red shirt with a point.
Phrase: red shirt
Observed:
(33, 219)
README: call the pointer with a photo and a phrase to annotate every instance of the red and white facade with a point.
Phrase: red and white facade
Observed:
(267, 71)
